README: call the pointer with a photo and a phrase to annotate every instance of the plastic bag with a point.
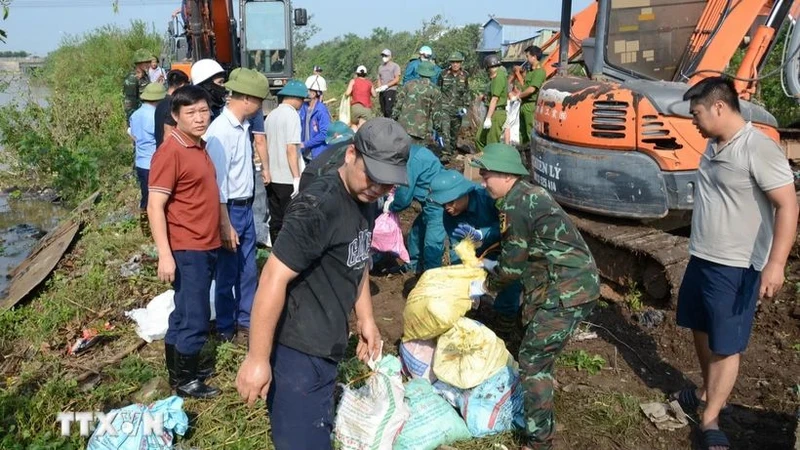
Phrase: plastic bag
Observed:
(344, 109)
(469, 354)
(371, 416)
(441, 296)
(492, 407)
(512, 122)
(130, 427)
(433, 421)
(152, 322)
(388, 237)
(417, 359)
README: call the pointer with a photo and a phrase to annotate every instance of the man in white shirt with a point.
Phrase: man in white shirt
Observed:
(230, 147)
(284, 161)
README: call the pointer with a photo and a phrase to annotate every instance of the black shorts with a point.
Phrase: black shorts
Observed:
(719, 300)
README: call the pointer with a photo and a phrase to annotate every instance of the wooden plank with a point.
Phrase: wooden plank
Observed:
(44, 258)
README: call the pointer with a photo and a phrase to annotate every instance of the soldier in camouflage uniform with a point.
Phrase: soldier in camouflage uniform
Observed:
(454, 84)
(136, 81)
(541, 247)
(417, 107)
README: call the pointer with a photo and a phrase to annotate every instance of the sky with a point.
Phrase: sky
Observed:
(38, 26)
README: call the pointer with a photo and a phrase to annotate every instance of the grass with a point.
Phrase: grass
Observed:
(633, 296)
(582, 361)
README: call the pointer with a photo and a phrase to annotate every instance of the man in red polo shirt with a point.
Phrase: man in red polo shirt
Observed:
(183, 208)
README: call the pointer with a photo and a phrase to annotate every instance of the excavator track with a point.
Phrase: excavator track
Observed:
(630, 252)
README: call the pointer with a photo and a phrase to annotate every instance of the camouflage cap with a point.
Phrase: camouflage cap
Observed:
(501, 158)
(154, 92)
(426, 69)
(248, 82)
(142, 55)
(456, 57)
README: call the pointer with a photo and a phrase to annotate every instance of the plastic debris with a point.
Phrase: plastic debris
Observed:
(650, 318)
(131, 427)
(132, 267)
(665, 416)
(152, 321)
(89, 338)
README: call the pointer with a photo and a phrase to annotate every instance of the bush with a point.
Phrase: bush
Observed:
(79, 133)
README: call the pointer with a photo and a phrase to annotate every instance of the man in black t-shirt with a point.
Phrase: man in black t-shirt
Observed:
(175, 79)
(317, 274)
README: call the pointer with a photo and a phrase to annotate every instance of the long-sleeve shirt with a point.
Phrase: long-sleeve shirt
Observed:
(541, 247)
(422, 166)
(230, 148)
(482, 214)
(143, 128)
(314, 128)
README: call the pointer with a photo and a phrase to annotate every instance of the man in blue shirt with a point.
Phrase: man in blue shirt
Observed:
(426, 238)
(314, 119)
(143, 128)
(230, 148)
(470, 213)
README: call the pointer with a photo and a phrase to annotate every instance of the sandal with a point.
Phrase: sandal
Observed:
(715, 438)
(690, 402)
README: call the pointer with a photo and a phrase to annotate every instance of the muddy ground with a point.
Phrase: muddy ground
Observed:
(601, 411)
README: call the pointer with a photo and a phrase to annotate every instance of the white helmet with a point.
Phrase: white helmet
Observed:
(205, 69)
(316, 83)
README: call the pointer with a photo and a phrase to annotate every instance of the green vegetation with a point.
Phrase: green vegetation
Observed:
(13, 54)
(580, 360)
(633, 296)
(79, 135)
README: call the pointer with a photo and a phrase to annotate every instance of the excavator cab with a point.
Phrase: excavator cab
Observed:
(266, 38)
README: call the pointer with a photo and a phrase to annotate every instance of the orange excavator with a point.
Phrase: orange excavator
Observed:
(261, 39)
(614, 142)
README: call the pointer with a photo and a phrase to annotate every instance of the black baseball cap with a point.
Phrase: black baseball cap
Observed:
(384, 145)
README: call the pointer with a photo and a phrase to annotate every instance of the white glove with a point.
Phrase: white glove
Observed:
(295, 186)
(382, 88)
(487, 123)
(489, 265)
(513, 98)
(387, 204)
(476, 291)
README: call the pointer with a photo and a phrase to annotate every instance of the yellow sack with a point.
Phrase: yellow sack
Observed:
(344, 109)
(441, 296)
(469, 354)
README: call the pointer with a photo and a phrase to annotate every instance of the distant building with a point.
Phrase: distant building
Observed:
(515, 51)
(499, 33)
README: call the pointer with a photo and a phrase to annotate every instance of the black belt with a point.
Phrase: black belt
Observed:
(240, 201)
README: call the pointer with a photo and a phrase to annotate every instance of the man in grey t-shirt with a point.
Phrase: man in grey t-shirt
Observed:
(743, 227)
(388, 79)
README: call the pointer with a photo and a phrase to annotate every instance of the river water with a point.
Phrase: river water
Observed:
(23, 218)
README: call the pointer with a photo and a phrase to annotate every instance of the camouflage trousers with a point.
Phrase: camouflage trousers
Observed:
(545, 337)
(451, 125)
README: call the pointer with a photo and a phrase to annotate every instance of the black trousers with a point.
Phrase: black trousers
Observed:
(278, 197)
(387, 102)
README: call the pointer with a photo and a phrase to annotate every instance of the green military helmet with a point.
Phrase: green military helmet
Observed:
(456, 57)
(501, 158)
(248, 82)
(426, 69)
(338, 128)
(142, 55)
(294, 88)
(154, 92)
(449, 185)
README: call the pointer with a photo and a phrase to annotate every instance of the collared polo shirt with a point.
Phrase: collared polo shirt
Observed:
(229, 145)
(183, 170)
(733, 220)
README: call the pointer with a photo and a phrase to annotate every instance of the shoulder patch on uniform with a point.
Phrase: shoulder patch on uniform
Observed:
(503, 222)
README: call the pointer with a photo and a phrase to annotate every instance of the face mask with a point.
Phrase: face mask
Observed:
(216, 92)
(385, 59)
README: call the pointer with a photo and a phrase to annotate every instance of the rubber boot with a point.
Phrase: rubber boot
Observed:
(189, 385)
(169, 355)
(207, 363)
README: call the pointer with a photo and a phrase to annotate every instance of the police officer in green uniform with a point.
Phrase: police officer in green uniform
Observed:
(496, 99)
(541, 248)
(534, 79)
(454, 84)
(136, 81)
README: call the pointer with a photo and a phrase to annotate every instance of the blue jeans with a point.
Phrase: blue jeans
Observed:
(143, 175)
(300, 400)
(237, 274)
(426, 238)
(189, 322)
